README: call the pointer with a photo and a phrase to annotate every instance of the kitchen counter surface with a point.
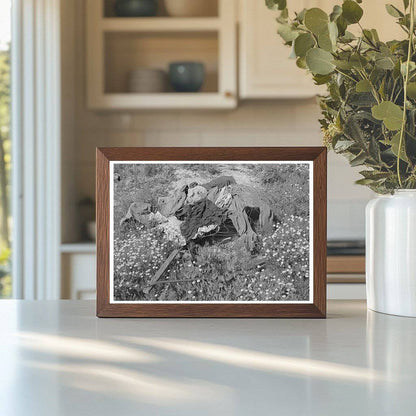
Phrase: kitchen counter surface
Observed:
(56, 358)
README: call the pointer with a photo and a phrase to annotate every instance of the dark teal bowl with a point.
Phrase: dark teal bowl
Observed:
(135, 8)
(186, 76)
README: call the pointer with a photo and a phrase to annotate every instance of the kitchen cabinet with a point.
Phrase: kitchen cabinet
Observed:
(116, 46)
(265, 70)
(78, 264)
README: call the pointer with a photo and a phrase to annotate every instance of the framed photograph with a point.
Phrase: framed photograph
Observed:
(211, 232)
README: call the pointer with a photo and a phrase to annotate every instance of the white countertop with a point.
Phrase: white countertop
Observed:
(57, 359)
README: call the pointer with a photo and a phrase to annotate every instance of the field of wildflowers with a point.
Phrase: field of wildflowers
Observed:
(220, 271)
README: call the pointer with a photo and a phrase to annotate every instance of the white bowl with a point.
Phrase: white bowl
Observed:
(146, 80)
(191, 8)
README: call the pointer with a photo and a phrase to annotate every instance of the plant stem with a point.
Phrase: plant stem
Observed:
(369, 41)
(346, 75)
(392, 90)
(397, 95)
(373, 89)
(406, 80)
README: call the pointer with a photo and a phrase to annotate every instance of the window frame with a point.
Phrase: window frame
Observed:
(36, 143)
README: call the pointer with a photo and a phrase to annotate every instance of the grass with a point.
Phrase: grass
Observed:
(222, 271)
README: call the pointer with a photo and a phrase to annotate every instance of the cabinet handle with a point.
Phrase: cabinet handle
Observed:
(228, 94)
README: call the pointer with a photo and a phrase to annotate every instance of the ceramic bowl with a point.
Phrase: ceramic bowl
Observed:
(135, 8)
(147, 80)
(186, 76)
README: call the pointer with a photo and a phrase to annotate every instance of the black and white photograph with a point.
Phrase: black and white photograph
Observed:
(210, 232)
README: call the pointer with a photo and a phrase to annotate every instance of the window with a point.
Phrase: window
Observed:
(5, 144)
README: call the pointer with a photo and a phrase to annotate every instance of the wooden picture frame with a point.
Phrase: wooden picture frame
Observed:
(315, 307)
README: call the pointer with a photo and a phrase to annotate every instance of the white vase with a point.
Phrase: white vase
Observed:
(391, 253)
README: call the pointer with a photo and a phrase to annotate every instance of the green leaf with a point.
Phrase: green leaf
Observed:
(336, 12)
(377, 75)
(405, 21)
(406, 4)
(381, 89)
(319, 61)
(300, 17)
(286, 32)
(393, 11)
(361, 99)
(354, 131)
(385, 63)
(374, 175)
(394, 145)
(375, 35)
(358, 61)
(334, 91)
(303, 43)
(321, 79)
(276, 4)
(333, 32)
(282, 20)
(327, 40)
(351, 11)
(301, 63)
(347, 37)
(342, 25)
(396, 71)
(358, 160)
(325, 43)
(343, 65)
(316, 20)
(411, 90)
(374, 150)
(412, 67)
(363, 86)
(284, 14)
(368, 36)
(364, 181)
(391, 114)
(343, 145)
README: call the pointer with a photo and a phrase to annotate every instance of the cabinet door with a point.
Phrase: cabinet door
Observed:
(78, 276)
(265, 68)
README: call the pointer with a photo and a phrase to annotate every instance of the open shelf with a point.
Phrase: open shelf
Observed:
(130, 101)
(127, 51)
(160, 24)
(116, 46)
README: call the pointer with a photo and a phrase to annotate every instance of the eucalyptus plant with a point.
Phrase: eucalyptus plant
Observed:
(369, 113)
